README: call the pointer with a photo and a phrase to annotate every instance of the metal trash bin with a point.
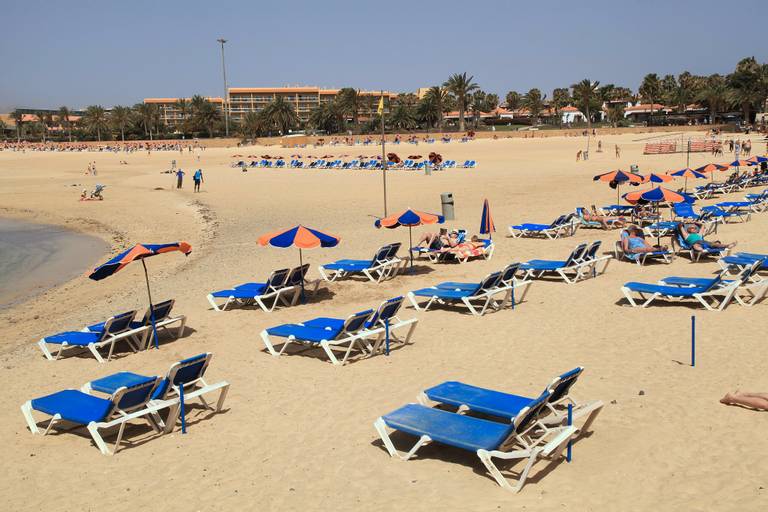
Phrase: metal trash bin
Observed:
(634, 168)
(446, 200)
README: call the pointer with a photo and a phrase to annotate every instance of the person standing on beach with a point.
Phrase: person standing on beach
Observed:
(198, 178)
(179, 178)
(618, 151)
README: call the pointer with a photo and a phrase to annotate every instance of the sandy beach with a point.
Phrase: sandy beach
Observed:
(297, 433)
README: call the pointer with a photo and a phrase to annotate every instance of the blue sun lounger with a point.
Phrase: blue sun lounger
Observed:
(718, 213)
(188, 373)
(505, 406)
(640, 258)
(484, 292)
(581, 263)
(561, 226)
(524, 438)
(508, 282)
(115, 329)
(273, 289)
(735, 263)
(706, 293)
(70, 405)
(695, 255)
(750, 289)
(163, 318)
(384, 265)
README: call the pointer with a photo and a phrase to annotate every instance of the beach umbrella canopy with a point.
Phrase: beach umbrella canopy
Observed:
(657, 178)
(616, 178)
(687, 173)
(757, 159)
(486, 222)
(741, 163)
(656, 195)
(139, 252)
(711, 168)
(301, 237)
(409, 218)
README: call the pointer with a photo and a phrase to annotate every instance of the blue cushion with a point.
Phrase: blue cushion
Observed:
(448, 428)
(486, 401)
(74, 406)
(452, 285)
(322, 322)
(111, 383)
(443, 294)
(532, 227)
(699, 282)
(299, 332)
(74, 338)
(543, 265)
(254, 288)
(245, 293)
(674, 291)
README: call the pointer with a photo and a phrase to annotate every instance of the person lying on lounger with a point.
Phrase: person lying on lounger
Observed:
(439, 240)
(593, 216)
(757, 401)
(696, 240)
(634, 242)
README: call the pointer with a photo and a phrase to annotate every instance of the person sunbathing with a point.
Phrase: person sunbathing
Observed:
(757, 401)
(695, 239)
(633, 242)
(433, 240)
(605, 222)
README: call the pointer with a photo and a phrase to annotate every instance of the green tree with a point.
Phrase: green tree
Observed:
(534, 102)
(586, 97)
(650, 89)
(145, 115)
(18, 119)
(42, 119)
(121, 118)
(460, 86)
(747, 86)
(327, 117)
(440, 100)
(560, 98)
(95, 120)
(348, 100)
(714, 94)
(252, 125)
(615, 113)
(65, 121)
(281, 115)
(514, 100)
(403, 117)
(184, 108)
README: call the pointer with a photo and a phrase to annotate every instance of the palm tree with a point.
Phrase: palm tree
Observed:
(560, 99)
(585, 95)
(534, 102)
(403, 117)
(327, 117)
(349, 102)
(65, 121)
(514, 100)
(714, 94)
(747, 86)
(42, 118)
(18, 119)
(183, 106)
(479, 99)
(615, 113)
(207, 115)
(144, 115)
(95, 120)
(650, 90)
(427, 112)
(440, 99)
(121, 118)
(460, 86)
(252, 125)
(281, 115)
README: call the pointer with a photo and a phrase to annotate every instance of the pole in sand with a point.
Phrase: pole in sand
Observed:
(693, 340)
(569, 453)
(383, 152)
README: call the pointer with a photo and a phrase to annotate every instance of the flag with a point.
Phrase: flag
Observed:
(381, 105)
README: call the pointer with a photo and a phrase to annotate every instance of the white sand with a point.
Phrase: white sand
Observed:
(297, 433)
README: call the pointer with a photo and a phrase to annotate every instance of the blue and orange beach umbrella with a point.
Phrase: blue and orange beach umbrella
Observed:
(487, 226)
(757, 159)
(139, 252)
(657, 178)
(301, 237)
(687, 173)
(409, 218)
(616, 178)
(710, 169)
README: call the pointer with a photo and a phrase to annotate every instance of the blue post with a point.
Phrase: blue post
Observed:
(513, 293)
(693, 340)
(181, 400)
(569, 453)
(386, 336)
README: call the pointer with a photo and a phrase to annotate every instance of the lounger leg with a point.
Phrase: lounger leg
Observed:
(531, 455)
(381, 428)
(93, 428)
(222, 397)
(268, 343)
(44, 347)
(183, 324)
(213, 303)
(412, 298)
(26, 410)
(324, 344)
(96, 354)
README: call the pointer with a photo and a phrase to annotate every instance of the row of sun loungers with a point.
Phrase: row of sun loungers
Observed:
(493, 424)
(408, 164)
(111, 402)
(564, 225)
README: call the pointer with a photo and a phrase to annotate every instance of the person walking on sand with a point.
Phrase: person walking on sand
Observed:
(198, 178)
(578, 155)
(618, 151)
(179, 178)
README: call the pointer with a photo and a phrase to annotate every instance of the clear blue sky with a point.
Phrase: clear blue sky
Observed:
(77, 52)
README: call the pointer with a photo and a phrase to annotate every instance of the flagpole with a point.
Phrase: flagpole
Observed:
(383, 154)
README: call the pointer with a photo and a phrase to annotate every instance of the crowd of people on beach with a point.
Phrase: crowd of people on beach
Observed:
(112, 146)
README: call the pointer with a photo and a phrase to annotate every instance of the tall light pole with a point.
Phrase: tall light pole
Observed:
(226, 92)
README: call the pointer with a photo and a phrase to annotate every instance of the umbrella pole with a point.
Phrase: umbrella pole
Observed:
(301, 264)
(410, 246)
(151, 307)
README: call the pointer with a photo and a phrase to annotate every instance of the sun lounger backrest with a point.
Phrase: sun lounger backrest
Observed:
(591, 253)
(576, 255)
(356, 322)
(393, 248)
(278, 279)
(561, 385)
(490, 282)
(508, 274)
(525, 419)
(297, 275)
(119, 323)
(558, 222)
(381, 254)
(386, 311)
(684, 210)
(162, 311)
(133, 397)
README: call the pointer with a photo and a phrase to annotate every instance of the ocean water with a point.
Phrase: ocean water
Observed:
(37, 257)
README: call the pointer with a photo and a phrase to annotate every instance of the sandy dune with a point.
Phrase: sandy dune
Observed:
(297, 433)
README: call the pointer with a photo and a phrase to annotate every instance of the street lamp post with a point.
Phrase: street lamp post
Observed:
(226, 93)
